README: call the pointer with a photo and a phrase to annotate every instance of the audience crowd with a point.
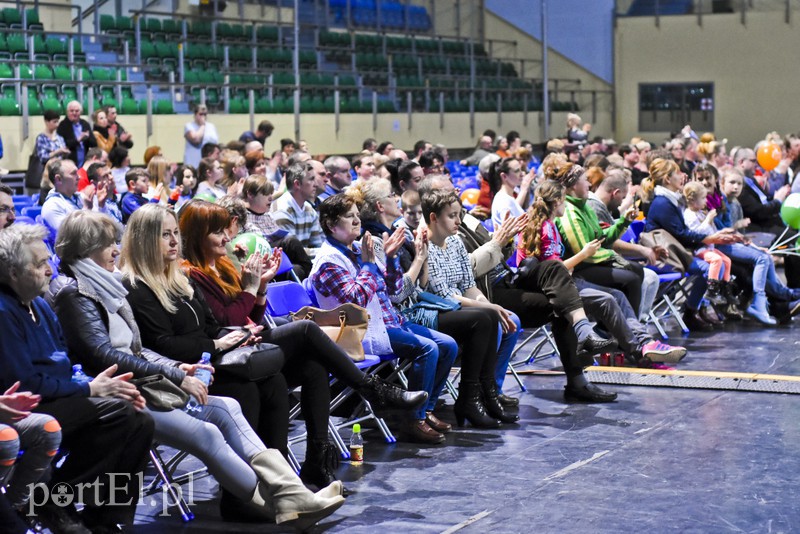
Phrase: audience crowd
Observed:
(142, 272)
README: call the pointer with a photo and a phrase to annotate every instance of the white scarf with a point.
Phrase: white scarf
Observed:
(107, 285)
(672, 196)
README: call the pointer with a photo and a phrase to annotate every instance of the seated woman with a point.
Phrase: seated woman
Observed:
(345, 272)
(209, 178)
(99, 325)
(257, 192)
(610, 307)
(666, 213)
(472, 331)
(542, 291)
(176, 321)
(238, 298)
(505, 177)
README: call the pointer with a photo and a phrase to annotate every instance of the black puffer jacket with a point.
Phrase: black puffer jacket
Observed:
(84, 321)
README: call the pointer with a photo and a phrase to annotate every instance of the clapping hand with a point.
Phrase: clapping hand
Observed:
(17, 405)
(270, 265)
(106, 384)
(391, 244)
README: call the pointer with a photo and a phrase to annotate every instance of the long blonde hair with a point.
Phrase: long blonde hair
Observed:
(141, 259)
(548, 194)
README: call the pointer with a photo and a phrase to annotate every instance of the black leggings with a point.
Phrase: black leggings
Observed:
(310, 356)
(475, 331)
(628, 279)
(552, 279)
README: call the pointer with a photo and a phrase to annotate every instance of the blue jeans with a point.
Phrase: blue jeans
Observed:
(695, 296)
(765, 279)
(432, 354)
(505, 346)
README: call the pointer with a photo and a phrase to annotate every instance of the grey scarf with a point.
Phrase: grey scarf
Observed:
(96, 282)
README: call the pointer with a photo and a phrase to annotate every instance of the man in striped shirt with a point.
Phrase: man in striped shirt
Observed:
(295, 214)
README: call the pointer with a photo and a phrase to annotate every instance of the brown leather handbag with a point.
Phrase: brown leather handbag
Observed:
(346, 325)
(679, 258)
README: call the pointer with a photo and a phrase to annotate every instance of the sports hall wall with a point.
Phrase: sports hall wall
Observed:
(752, 67)
(320, 130)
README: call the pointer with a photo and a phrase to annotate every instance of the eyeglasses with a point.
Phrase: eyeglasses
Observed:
(7, 209)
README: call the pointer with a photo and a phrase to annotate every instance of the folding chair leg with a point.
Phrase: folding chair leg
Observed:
(676, 313)
(338, 441)
(657, 322)
(451, 389)
(522, 387)
(177, 498)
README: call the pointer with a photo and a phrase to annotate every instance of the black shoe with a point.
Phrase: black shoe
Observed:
(469, 406)
(508, 402)
(322, 459)
(492, 403)
(382, 395)
(588, 393)
(593, 344)
(695, 322)
(62, 520)
(709, 315)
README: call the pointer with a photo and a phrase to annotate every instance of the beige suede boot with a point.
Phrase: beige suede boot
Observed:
(290, 499)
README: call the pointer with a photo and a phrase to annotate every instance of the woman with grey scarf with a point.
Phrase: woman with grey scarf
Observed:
(100, 331)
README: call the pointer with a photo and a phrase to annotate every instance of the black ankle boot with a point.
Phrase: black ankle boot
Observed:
(714, 292)
(382, 395)
(469, 406)
(322, 459)
(492, 403)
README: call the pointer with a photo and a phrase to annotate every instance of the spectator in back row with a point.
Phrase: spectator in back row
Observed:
(483, 150)
(199, 132)
(7, 210)
(123, 137)
(295, 214)
(261, 134)
(338, 176)
(77, 133)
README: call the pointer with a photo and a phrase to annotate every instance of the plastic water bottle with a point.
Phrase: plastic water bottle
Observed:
(204, 376)
(356, 446)
(78, 375)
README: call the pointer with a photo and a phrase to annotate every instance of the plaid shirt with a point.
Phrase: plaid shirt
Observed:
(260, 224)
(449, 270)
(302, 222)
(334, 281)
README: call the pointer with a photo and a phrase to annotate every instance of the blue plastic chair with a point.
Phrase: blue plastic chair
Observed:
(286, 267)
(31, 211)
(286, 297)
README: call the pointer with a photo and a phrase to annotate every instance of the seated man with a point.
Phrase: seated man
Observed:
(294, 213)
(102, 426)
(63, 199)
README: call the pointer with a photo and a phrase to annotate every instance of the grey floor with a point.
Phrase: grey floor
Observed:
(658, 459)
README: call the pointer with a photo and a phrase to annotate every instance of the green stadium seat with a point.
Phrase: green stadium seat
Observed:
(32, 16)
(267, 34)
(69, 93)
(25, 71)
(237, 106)
(16, 43)
(43, 72)
(171, 27)
(55, 46)
(9, 107)
(153, 25)
(52, 104)
(12, 17)
(263, 105)
(129, 107)
(6, 72)
(147, 50)
(107, 23)
(163, 107)
(124, 24)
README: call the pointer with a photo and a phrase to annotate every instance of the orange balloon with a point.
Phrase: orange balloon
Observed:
(470, 196)
(769, 155)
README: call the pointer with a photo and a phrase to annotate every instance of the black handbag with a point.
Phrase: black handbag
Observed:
(251, 362)
(33, 176)
(160, 393)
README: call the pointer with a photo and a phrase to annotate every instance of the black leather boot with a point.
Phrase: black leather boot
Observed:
(383, 395)
(469, 406)
(322, 460)
(492, 403)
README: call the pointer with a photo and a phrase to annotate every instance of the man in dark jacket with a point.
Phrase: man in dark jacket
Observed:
(77, 133)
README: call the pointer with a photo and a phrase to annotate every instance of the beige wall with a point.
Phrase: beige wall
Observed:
(318, 130)
(752, 68)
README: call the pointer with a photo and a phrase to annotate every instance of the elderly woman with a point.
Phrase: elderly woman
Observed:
(89, 299)
(104, 415)
(239, 297)
(345, 271)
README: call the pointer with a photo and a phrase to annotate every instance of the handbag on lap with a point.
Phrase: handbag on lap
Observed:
(346, 325)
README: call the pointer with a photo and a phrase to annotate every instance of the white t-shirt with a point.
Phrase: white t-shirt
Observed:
(192, 154)
(502, 204)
